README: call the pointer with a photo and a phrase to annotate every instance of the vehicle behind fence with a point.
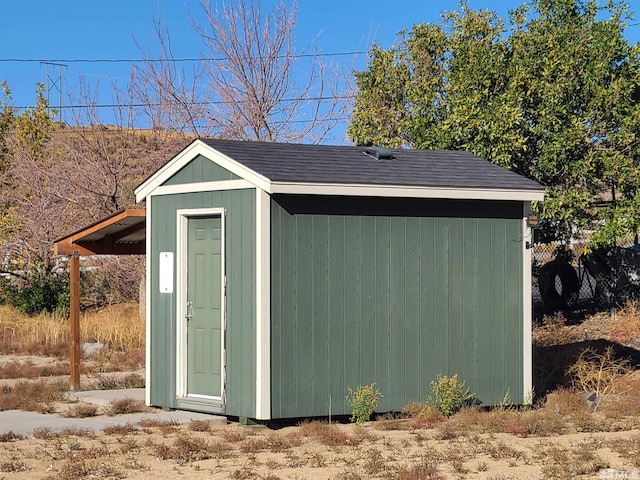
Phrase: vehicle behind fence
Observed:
(590, 279)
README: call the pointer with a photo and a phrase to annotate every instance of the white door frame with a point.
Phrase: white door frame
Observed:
(183, 216)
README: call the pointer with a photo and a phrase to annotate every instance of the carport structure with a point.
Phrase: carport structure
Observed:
(122, 233)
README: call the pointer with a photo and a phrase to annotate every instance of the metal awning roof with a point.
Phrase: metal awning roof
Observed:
(123, 233)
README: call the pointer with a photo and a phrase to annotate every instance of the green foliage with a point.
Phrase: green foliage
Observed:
(37, 295)
(448, 395)
(552, 95)
(7, 113)
(363, 402)
(34, 126)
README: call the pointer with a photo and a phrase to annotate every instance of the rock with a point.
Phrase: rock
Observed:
(92, 349)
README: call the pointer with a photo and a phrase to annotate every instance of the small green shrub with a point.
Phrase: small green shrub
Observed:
(35, 295)
(449, 395)
(363, 402)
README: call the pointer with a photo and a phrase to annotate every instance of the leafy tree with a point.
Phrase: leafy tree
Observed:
(7, 113)
(552, 96)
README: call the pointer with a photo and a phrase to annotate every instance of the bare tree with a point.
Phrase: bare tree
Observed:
(101, 165)
(166, 92)
(251, 83)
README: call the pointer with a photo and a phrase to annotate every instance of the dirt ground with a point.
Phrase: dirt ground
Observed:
(563, 437)
(303, 452)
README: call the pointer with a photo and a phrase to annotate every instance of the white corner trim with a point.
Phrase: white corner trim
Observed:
(201, 187)
(263, 305)
(527, 347)
(195, 148)
(404, 191)
(182, 220)
(147, 307)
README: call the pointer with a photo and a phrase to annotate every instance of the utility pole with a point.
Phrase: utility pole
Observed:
(54, 83)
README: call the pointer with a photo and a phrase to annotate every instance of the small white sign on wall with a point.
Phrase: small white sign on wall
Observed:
(166, 272)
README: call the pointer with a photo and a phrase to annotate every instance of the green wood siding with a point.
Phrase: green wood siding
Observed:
(201, 169)
(240, 261)
(393, 291)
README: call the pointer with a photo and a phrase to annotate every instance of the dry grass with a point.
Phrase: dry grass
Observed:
(627, 327)
(81, 410)
(10, 437)
(28, 369)
(124, 406)
(554, 330)
(124, 429)
(330, 435)
(600, 373)
(35, 396)
(185, 449)
(117, 326)
(301, 452)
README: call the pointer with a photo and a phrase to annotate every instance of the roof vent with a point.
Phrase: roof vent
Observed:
(379, 153)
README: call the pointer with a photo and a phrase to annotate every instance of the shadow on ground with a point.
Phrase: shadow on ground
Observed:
(551, 363)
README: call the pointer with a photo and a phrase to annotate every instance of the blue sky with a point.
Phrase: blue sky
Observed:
(87, 29)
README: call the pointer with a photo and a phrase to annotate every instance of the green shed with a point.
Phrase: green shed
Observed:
(279, 275)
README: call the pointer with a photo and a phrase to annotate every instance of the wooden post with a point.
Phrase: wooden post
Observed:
(74, 286)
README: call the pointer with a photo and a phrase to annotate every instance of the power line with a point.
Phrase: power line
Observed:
(170, 60)
(211, 102)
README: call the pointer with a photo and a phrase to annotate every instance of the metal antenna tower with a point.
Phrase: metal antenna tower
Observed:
(54, 82)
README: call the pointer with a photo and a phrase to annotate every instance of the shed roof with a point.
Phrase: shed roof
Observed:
(283, 162)
(349, 170)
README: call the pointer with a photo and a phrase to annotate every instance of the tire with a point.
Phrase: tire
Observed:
(555, 298)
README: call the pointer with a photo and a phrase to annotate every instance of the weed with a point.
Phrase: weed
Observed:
(81, 410)
(200, 426)
(124, 406)
(458, 465)
(327, 434)
(32, 395)
(427, 469)
(628, 448)
(27, 369)
(185, 449)
(44, 433)
(220, 449)
(544, 422)
(282, 443)
(123, 429)
(131, 380)
(601, 374)
(76, 432)
(374, 462)
(449, 395)
(627, 323)
(10, 436)
(234, 435)
(363, 402)
(565, 463)
(243, 473)
(13, 466)
(254, 445)
(154, 422)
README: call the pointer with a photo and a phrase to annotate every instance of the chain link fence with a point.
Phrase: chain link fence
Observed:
(587, 288)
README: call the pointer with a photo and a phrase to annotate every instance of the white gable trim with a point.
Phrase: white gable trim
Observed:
(201, 187)
(155, 183)
(198, 147)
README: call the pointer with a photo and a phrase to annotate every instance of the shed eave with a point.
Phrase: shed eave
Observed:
(195, 148)
(406, 191)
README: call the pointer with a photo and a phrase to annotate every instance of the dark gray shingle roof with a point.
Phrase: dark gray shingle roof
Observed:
(299, 163)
